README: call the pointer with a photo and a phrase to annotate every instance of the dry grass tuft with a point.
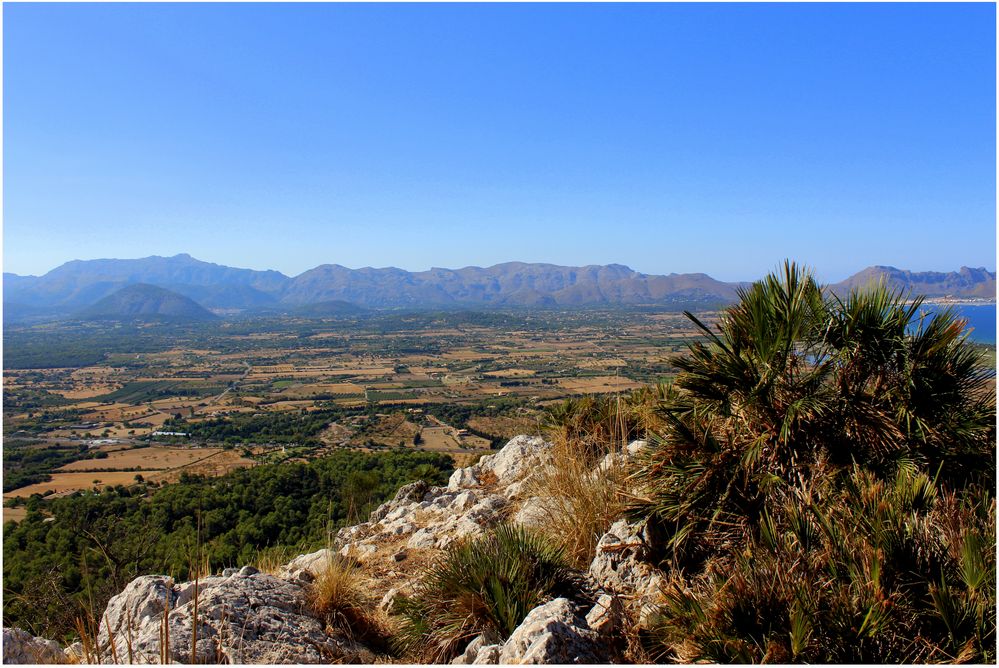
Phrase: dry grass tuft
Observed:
(270, 560)
(339, 596)
(578, 501)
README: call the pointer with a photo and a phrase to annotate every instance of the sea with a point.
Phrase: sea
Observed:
(980, 318)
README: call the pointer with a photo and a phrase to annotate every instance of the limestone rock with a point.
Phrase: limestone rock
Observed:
(313, 563)
(519, 457)
(487, 655)
(554, 633)
(22, 647)
(462, 478)
(620, 564)
(606, 616)
(471, 651)
(249, 617)
(532, 513)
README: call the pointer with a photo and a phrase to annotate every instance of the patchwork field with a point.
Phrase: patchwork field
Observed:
(243, 393)
(66, 483)
(144, 458)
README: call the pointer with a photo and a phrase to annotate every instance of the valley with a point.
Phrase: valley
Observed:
(156, 401)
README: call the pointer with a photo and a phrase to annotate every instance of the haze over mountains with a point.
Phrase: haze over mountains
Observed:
(74, 286)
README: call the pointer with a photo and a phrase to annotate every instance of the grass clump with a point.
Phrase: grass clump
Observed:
(578, 493)
(339, 597)
(486, 585)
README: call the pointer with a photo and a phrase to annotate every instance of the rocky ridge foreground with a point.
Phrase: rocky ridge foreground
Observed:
(246, 616)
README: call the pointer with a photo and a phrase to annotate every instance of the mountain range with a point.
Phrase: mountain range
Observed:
(77, 288)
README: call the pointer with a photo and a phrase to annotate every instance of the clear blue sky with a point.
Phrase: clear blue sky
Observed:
(715, 138)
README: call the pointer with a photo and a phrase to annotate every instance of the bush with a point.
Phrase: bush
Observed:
(482, 586)
(821, 487)
(863, 572)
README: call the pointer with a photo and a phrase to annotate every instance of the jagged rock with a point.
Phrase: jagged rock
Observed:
(249, 617)
(414, 491)
(22, 647)
(521, 455)
(532, 513)
(487, 655)
(515, 490)
(554, 633)
(606, 616)
(359, 551)
(461, 478)
(468, 656)
(620, 565)
(515, 461)
(423, 539)
(304, 567)
(388, 600)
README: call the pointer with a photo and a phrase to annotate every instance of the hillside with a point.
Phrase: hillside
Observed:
(141, 301)
(965, 283)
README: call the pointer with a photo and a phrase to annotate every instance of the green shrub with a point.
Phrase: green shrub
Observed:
(821, 487)
(482, 586)
(866, 571)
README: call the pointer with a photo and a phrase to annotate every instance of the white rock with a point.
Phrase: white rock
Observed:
(487, 655)
(532, 513)
(422, 540)
(463, 478)
(471, 651)
(620, 565)
(247, 618)
(314, 563)
(463, 501)
(554, 633)
(606, 616)
(22, 647)
(518, 458)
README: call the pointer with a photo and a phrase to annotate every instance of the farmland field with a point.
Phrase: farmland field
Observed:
(144, 458)
(205, 400)
(63, 483)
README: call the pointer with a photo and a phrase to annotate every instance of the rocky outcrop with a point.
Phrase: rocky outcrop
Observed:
(620, 565)
(248, 617)
(476, 498)
(556, 632)
(22, 647)
(244, 616)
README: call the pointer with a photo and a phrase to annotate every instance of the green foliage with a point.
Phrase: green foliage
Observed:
(97, 542)
(815, 482)
(272, 427)
(859, 571)
(485, 585)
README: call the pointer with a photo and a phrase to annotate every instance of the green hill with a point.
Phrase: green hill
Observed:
(145, 302)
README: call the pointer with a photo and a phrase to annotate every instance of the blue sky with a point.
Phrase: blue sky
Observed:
(715, 138)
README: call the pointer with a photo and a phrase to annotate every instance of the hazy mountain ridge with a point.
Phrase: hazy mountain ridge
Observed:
(82, 283)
